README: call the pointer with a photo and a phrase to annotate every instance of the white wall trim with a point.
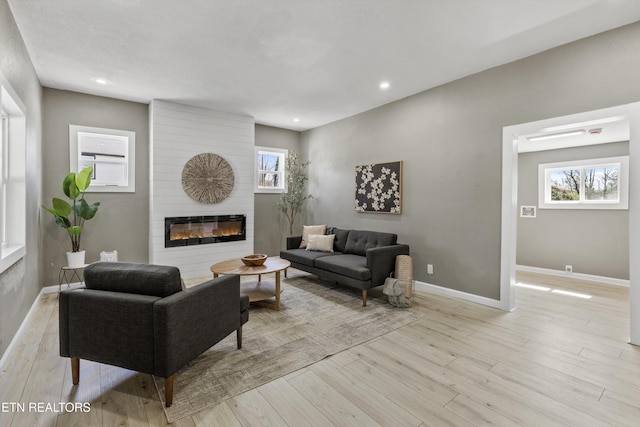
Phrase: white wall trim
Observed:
(46, 290)
(54, 288)
(633, 112)
(435, 289)
(580, 276)
(20, 330)
(509, 224)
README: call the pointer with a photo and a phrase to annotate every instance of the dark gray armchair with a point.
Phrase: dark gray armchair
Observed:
(138, 317)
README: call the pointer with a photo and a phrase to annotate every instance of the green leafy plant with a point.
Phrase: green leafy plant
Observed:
(71, 217)
(292, 201)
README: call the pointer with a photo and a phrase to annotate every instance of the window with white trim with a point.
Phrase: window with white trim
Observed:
(584, 184)
(270, 170)
(12, 177)
(111, 152)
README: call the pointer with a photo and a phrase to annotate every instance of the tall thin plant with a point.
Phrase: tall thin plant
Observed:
(291, 202)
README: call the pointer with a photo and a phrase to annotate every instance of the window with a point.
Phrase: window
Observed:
(584, 184)
(269, 170)
(110, 152)
(12, 176)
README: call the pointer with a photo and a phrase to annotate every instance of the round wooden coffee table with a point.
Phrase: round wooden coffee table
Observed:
(259, 290)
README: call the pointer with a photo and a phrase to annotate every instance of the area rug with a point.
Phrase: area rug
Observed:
(316, 320)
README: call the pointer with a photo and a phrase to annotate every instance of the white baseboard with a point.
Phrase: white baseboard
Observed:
(580, 276)
(54, 288)
(428, 287)
(46, 290)
(20, 330)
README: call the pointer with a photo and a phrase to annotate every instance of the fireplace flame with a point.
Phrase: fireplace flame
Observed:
(204, 230)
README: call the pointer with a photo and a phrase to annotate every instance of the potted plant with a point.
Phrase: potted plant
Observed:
(71, 217)
(291, 202)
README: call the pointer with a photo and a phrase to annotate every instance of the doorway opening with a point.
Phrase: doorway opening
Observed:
(543, 134)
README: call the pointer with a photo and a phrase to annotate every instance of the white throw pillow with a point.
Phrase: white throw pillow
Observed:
(321, 242)
(311, 229)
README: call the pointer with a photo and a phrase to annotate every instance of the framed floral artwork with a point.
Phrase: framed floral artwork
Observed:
(379, 188)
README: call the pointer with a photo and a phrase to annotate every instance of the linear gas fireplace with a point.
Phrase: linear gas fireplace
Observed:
(200, 230)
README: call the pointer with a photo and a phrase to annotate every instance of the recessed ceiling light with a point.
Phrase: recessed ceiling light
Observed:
(296, 120)
(101, 81)
(384, 85)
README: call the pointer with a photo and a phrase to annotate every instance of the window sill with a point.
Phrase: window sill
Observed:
(269, 191)
(585, 205)
(11, 255)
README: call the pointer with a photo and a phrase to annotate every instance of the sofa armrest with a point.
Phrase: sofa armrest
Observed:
(382, 261)
(189, 322)
(294, 242)
(63, 321)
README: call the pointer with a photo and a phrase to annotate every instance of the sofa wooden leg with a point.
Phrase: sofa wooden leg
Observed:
(75, 370)
(364, 298)
(239, 337)
(168, 391)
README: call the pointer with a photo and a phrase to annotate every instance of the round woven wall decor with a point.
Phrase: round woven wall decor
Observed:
(207, 178)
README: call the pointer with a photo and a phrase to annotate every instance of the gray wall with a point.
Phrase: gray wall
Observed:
(450, 139)
(591, 241)
(271, 227)
(122, 222)
(21, 283)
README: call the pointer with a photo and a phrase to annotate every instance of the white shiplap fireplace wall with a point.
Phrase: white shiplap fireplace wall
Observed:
(179, 132)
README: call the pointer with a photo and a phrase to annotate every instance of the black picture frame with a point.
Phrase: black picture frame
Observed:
(379, 188)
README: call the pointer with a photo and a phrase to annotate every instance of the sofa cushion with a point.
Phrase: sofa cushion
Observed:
(320, 242)
(349, 265)
(359, 241)
(341, 238)
(311, 229)
(143, 279)
(303, 256)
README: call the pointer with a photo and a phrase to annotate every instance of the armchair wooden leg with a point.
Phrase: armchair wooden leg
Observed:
(75, 370)
(239, 337)
(168, 391)
(364, 298)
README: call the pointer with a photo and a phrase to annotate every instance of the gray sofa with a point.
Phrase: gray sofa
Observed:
(138, 317)
(361, 259)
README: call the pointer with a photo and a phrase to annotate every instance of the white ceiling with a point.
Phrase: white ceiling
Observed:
(275, 60)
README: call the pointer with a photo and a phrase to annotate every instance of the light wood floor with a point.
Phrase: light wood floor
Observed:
(555, 360)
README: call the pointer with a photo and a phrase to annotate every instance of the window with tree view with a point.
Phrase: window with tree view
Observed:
(585, 184)
(270, 170)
